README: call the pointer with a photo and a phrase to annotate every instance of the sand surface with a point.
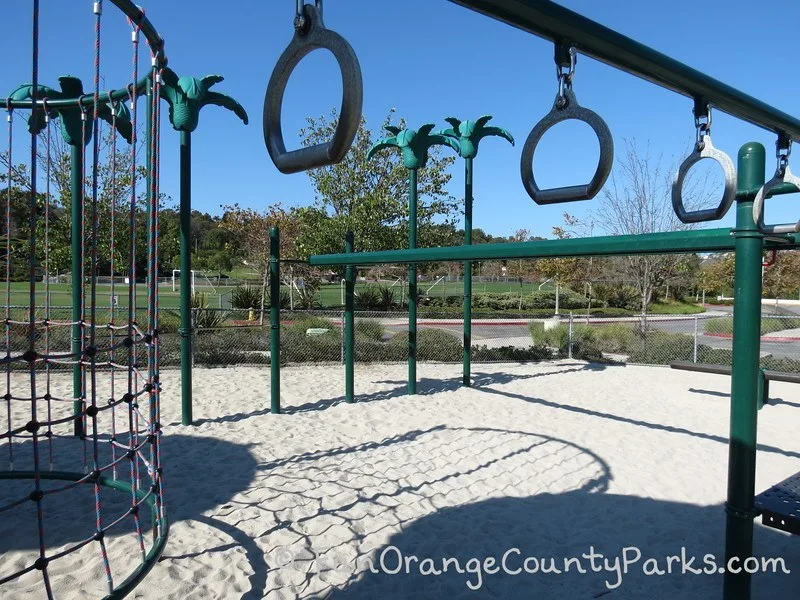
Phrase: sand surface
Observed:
(546, 461)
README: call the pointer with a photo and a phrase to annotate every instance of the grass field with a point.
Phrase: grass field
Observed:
(331, 294)
(61, 294)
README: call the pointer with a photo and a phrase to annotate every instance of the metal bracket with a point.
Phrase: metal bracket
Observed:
(565, 108)
(311, 36)
(705, 149)
(758, 204)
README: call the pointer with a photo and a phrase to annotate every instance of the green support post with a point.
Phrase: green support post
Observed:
(412, 283)
(185, 329)
(466, 137)
(467, 271)
(76, 187)
(275, 320)
(349, 325)
(186, 96)
(744, 374)
(414, 146)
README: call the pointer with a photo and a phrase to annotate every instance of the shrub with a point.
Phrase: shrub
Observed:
(246, 296)
(303, 323)
(296, 346)
(169, 321)
(768, 325)
(369, 329)
(306, 298)
(618, 296)
(387, 299)
(661, 348)
(432, 344)
(206, 317)
(510, 353)
(232, 345)
(368, 298)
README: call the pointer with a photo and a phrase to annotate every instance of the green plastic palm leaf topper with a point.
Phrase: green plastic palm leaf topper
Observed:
(468, 135)
(186, 96)
(413, 146)
(74, 129)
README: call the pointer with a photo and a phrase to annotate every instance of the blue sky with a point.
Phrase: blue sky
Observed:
(429, 59)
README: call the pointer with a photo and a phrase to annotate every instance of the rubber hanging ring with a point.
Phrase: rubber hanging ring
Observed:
(566, 107)
(705, 149)
(778, 180)
(313, 36)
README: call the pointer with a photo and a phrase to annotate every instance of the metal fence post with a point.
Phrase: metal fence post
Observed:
(193, 333)
(569, 344)
(349, 326)
(275, 320)
(696, 322)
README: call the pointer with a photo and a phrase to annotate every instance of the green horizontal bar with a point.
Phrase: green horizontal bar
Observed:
(784, 188)
(154, 40)
(85, 100)
(673, 242)
(558, 24)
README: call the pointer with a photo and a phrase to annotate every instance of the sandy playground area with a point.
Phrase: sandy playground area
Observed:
(538, 468)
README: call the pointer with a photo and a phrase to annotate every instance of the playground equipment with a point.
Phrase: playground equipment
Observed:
(566, 107)
(764, 375)
(310, 34)
(115, 408)
(413, 146)
(782, 179)
(572, 34)
(468, 135)
(186, 96)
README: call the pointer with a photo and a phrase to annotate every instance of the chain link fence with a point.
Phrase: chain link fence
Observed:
(227, 337)
(242, 337)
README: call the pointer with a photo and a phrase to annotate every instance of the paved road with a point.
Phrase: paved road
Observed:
(511, 333)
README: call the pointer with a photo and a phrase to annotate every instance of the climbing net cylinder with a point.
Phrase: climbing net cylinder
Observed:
(82, 497)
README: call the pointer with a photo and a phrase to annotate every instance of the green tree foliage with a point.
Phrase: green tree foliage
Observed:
(113, 210)
(369, 197)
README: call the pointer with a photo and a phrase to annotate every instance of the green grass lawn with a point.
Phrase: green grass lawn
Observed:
(331, 294)
(61, 294)
(673, 307)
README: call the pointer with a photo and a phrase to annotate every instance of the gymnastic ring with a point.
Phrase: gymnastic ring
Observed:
(311, 36)
(764, 193)
(705, 149)
(564, 108)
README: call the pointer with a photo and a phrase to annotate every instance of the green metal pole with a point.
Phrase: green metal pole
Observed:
(349, 325)
(275, 320)
(671, 242)
(76, 187)
(744, 375)
(185, 329)
(467, 270)
(412, 283)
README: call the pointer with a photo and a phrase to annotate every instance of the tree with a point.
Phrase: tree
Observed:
(369, 197)
(638, 201)
(782, 278)
(716, 273)
(573, 272)
(115, 177)
(252, 229)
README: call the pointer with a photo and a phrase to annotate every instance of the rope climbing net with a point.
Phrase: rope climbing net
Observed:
(82, 391)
